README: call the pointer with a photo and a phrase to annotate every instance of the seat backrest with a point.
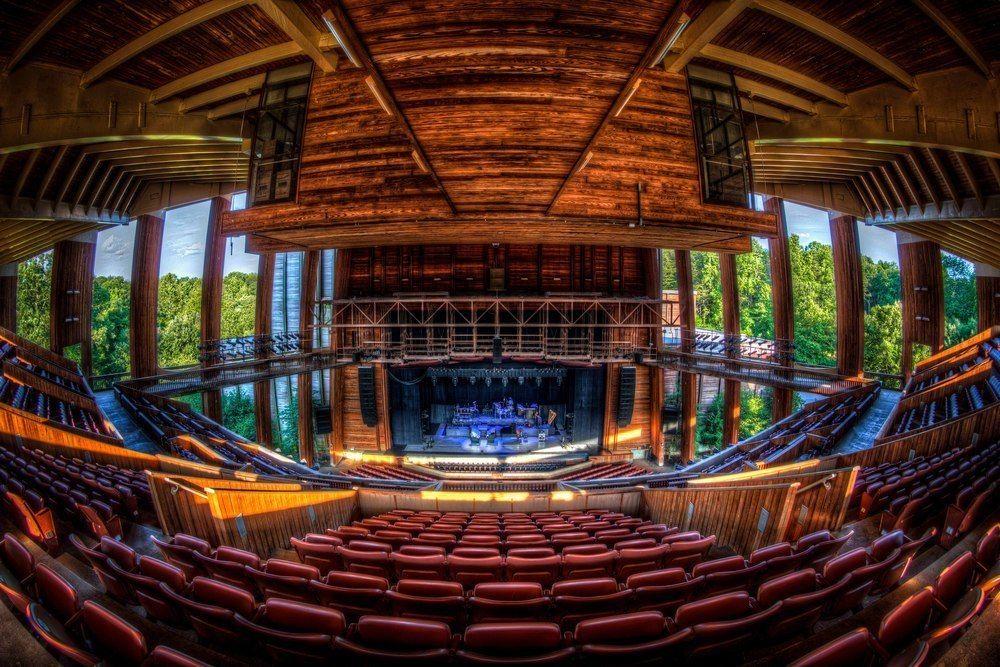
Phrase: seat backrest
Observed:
(210, 591)
(853, 648)
(531, 552)
(291, 616)
(55, 593)
(475, 552)
(234, 555)
(988, 548)
(356, 580)
(585, 587)
(886, 544)
(162, 571)
(843, 564)
(403, 633)
(664, 577)
(769, 552)
(719, 608)
(508, 591)
(812, 539)
(512, 639)
(429, 589)
(287, 568)
(785, 586)
(727, 564)
(16, 557)
(118, 552)
(906, 621)
(955, 579)
(112, 635)
(421, 550)
(631, 628)
(192, 542)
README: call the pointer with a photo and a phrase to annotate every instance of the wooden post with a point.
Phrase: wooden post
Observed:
(71, 296)
(211, 296)
(781, 298)
(688, 381)
(8, 296)
(850, 287)
(262, 327)
(654, 264)
(731, 327)
(922, 288)
(310, 273)
(988, 295)
(145, 295)
(341, 288)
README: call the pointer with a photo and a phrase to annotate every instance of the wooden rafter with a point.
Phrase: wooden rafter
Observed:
(42, 29)
(956, 35)
(112, 189)
(50, 173)
(337, 18)
(883, 196)
(662, 38)
(949, 184)
(710, 22)
(835, 35)
(69, 178)
(970, 177)
(773, 71)
(95, 193)
(25, 172)
(880, 204)
(162, 32)
(293, 22)
(994, 169)
(859, 193)
(221, 93)
(755, 90)
(896, 192)
(249, 103)
(911, 188)
(918, 169)
(766, 111)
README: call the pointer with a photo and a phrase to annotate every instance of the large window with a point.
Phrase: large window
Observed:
(722, 149)
(112, 295)
(961, 314)
(239, 284)
(285, 318)
(883, 308)
(814, 295)
(238, 410)
(277, 139)
(34, 287)
(182, 261)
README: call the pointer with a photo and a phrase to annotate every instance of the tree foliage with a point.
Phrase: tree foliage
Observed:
(34, 287)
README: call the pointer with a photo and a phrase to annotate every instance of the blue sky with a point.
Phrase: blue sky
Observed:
(183, 245)
(812, 224)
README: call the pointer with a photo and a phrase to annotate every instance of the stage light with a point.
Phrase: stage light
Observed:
(520, 379)
(454, 381)
(504, 380)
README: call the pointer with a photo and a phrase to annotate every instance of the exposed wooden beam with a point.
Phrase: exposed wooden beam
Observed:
(25, 171)
(710, 22)
(122, 192)
(241, 87)
(777, 158)
(754, 89)
(648, 59)
(817, 152)
(69, 178)
(162, 32)
(85, 184)
(929, 185)
(289, 17)
(949, 185)
(995, 169)
(42, 29)
(238, 64)
(773, 71)
(235, 107)
(853, 185)
(835, 35)
(970, 176)
(887, 177)
(763, 110)
(95, 193)
(220, 158)
(911, 188)
(357, 50)
(50, 173)
(928, 7)
(880, 203)
(883, 196)
(112, 189)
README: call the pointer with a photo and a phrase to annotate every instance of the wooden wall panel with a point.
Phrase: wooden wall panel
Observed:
(781, 298)
(8, 296)
(732, 514)
(849, 284)
(71, 298)
(145, 296)
(354, 434)
(729, 278)
(988, 296)
(621, 439)
(922, 287)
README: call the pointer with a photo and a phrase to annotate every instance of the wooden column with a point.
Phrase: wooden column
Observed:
(850, 288)
(310, 273)
(922, 287)
(988, 295)
(731, 327)
(654, 263)
(781, 298)
(145, 295)
(211, 295)
(71, 296)
(262, 327)
(8, 296)
(341, 288)
(688, 381)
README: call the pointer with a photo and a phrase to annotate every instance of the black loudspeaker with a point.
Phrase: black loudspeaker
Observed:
(366, 393)
(626, 395)
(322, 421)
(497, 350)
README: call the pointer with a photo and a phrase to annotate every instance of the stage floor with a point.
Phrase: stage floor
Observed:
(446, 445)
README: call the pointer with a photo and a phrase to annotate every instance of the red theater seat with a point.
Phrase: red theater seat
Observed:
(145, 583)
(472, 571)
(543, 569)
(57, 596)
(587, 566)
(430, 600)
(632, 561)
(514, 643)
(352, 593)
(579, 599)
(406, 566)
(375, 563)
(988, 549)
(320, 551)
(688, 552)
(210, 606)
(723, 624)
(508, 601)
(164, 656)
(723, 575)
(803, 601)
(629, 639)
(179, 551)
(855, 649)
(117, 641)
(293, 632)
(384, 640)
(226, 564)
(902, 627)
(284, 579)
(101, 557)
(17, 567)
(34, 519)
(663, 590)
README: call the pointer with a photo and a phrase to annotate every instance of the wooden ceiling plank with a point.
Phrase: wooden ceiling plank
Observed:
(911, 188)
(853, 185)
(773, 71)
(25, 172)
(948, 26)
(121, 193)
(873, 175)
(50, 173)
(69, 178)
(212, 72)
(338, 20)
(162, 32)
(293, 22)
(85, 184)
(994, 169)
(712, 20)
(665, 33)
(835, 35)
(250, 103)
(130, 198)
(40, 30)
(105, 205)
(99, 187)
(887, 177)
(949, 184)
(918, 169)
(880, 201)
(970, 176)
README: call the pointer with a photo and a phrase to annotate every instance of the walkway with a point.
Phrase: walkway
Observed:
(135, 438)
(862, 436)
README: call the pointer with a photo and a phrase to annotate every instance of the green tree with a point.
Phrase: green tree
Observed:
(814, 302)
(238, 410)
(239, 302)
(110, 325)
(34, 290)
(961, 315)
(179, 320)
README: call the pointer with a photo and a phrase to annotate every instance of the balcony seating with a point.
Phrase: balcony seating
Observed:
(728, 574)
(664, 590)
(402, 641)
(294, 632)
(283, 578)
(637, 638)
(507, 601)
(17, 567)
(534, 643)
(803, 599)
(578, 599)
(854, 648)
(228, 565)
(210, 607)
(179, 550)
(430, 600)
(32, 517)
(722, 624)
(108, 558)
(320, 551)
(353, 594)
(145, 584)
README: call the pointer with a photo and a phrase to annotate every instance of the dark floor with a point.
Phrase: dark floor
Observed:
(135, 438)
(862, 436)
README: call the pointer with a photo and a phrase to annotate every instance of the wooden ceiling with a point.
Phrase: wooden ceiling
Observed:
(506, 101)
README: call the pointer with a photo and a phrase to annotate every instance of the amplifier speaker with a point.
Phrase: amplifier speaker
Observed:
(626, 395)
(366, 393)
(497, 350)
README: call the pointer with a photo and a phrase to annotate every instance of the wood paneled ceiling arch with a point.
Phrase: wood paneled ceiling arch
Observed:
(538, 141)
